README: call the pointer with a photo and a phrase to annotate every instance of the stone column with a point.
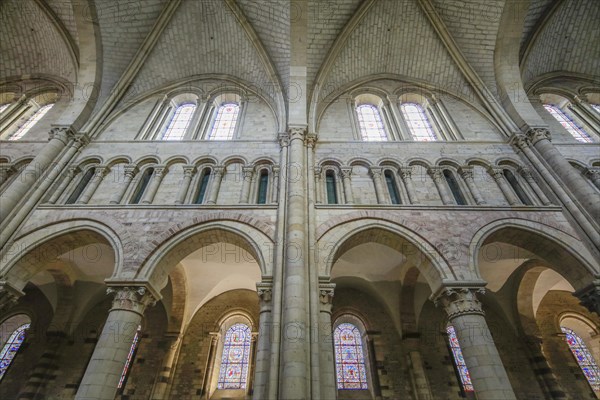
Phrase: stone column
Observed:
(590, 296)
(5, 171)
(163, 381)
(110, 354)
(157, 177)
(248, 175)
(593, 174)
(9, 296)
(263, 353)
(445, 115)
(481, 356)
(418, 376)
(71, 173)
(542, 370)
(376, 173)
(318, 185)
(218, 173)
(526, 173)
(294, 364)
(467, 174)
(275, 184)
(60, 137)
(130, 171)
(347, 184)
(587, 196)
(326, 354)
(406, 175)
(188, 173)
(403, 129)
(99, 174)
(500, 179)
(437, 175)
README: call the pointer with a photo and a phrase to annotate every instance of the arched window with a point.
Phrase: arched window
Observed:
(512, 180)
(392, 187)
(576, 131)
(350, 366)
(4, 107)
(13, 343)
(130, 356)
(263, 185)
(454, 188)
(225, 122)
(459, 361)
(331, 187)
(202, 186)
(370, 123)
(142, 186)
(39, 114)
(85, 180)
(233, 373)
(417, 122)
(179, 122)
(584, 358)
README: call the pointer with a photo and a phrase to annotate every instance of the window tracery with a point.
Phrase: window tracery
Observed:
(233, 373)
(351, 370)
(584, 358)
(12, 346)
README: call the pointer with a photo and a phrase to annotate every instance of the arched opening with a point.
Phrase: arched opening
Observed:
(331, 187)
(202, 186)
(454, 187)
(81, 185)
(390, 181)
(142, 186)
(263, 186)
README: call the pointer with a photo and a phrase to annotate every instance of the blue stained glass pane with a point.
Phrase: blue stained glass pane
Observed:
(584, 358)
(11, 347)
(576, 131)
(349, 358)
(459, 360)
(234, 361)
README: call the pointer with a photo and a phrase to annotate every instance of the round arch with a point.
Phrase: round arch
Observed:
(157, 266)
(22, 260)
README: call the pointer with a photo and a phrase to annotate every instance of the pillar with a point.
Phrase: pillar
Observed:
(326, 354)
(188, 173)
(481, 356)
(71, 173)
(5, 171)
(376, 173)
(60, 137)
(526, 173)
(110, 354)
(263, 351)
(571, 178)
(467, 174)
(130, 171)
(590, 296)
(294, 364)
(275, 184)
(99, 174)
(157, 177)
(347, 184)
(542, 370)
(247, 176)
(318, 185)
(163, 380)
(593, 174)
(509, 194)
(215, 186)
(403, 129)
(437, 175)
(406, 175)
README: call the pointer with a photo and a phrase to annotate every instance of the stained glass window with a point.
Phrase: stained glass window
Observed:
(350, 366)
(132, 349)
(417, 122)
(11, 348)
(584, 358)
(576, 131)
(596, 107)
(225, 122)
(370, 123)
(236, 354)
(459, 360)
(180, 122)
(4, 107)
(31, 122)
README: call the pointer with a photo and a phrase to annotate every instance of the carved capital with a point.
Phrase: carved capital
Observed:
(466, 172)
(326, 291)
(101, 170)
(376, 172)
(497, 173)
(346, 172)
(160, 170)
(9, 296)
(265, 292)
(61, 132)
(276, 170)
(520, 141)
(131, 298)
(284, 139)
(311, 140)
(72, 171)
(436, 173)
(130, 170)
(6, 168)
(247, 172)
(590, 296)
(405, 172)
(189, 171)
(219, 171)
(526, 173)
(593, 173)
(297, 132)
(460, 301)
(537, 134)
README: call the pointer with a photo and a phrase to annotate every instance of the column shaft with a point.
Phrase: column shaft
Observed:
(93, 185)
(130, 171)
(157, 177)
(376, 173)
(437, 175)
(163, 382)
(406, 175)
(188, 172)
(534, 185)
(326, 354)
(317, 175)
(500, 179)
(63, 185)
(247, 174)
(215, 185)
(467, 175)
(263, 353)
(347, 184)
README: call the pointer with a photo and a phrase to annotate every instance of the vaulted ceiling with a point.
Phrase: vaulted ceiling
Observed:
(249, 41)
